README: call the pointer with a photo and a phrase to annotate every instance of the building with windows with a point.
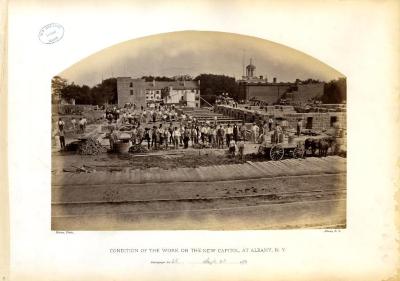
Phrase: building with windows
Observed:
(253, 88)
(142, 93)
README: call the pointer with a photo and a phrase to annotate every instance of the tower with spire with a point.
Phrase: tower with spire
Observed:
(250, 69)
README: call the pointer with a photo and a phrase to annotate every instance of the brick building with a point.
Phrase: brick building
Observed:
(259, 89)
(142, 93)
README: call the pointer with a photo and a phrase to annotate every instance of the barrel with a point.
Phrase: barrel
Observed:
(291, 139)
(121, 147)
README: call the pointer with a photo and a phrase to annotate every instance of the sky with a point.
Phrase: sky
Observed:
(196, 52)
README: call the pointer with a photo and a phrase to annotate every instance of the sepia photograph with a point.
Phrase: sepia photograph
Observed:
(198, 130)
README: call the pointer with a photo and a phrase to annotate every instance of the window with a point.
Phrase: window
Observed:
(309, 123)
(333, 120)
(131, 84)
(131, 92)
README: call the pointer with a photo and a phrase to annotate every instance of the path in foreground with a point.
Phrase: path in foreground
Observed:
(295, 193)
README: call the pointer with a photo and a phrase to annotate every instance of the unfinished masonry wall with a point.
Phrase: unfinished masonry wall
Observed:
(312, 120)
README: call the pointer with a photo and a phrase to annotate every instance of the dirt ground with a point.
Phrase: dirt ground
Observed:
(190, 158)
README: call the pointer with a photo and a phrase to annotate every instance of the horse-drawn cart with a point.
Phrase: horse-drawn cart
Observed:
(292, 147)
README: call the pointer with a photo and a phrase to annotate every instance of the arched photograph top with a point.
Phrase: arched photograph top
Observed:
(198, 130)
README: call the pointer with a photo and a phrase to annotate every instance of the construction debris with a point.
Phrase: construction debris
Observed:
(91, 147)
(137, 148)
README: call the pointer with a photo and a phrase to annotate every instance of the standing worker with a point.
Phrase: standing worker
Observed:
(235, 132)
(61, 135)
(61, 124)
(113, 139)
(232, 147)
(220, 137)
(73, 121)
(285, 125)
(242, 130)
(81, 125)
(299, 125)
(229, 133)
(270, 123)
(176, 135)
(255, 132)
(240, 146)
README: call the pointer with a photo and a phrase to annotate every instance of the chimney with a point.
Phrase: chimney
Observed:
(274, 80)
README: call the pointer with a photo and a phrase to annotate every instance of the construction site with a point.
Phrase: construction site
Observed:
(225, 167)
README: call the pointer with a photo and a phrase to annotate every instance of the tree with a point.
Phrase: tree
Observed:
(157, 78)
(212, 85)
(57, 84)
(105, 92)
(335, 91)
(184, 77)
(81, 94)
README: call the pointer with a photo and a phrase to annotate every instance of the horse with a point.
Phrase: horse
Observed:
(322, 145)
(312, 144)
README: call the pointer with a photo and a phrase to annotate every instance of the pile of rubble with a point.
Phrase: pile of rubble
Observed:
(91, 147)
(202, 145)
(137, 148)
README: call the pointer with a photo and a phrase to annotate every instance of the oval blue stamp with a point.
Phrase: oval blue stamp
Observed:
(51, 33)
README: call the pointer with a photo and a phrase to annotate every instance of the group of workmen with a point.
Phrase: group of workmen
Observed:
(187, 130)
(143, 115)
(77, 127)
(216, 136)
(207, 134)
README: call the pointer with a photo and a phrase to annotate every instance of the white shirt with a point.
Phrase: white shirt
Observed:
(229, 130)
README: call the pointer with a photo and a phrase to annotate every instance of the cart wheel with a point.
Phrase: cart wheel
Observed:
(298, 152)
(276, 153)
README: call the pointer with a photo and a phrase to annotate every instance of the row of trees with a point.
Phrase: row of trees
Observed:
(211, 85)
(105, 92)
